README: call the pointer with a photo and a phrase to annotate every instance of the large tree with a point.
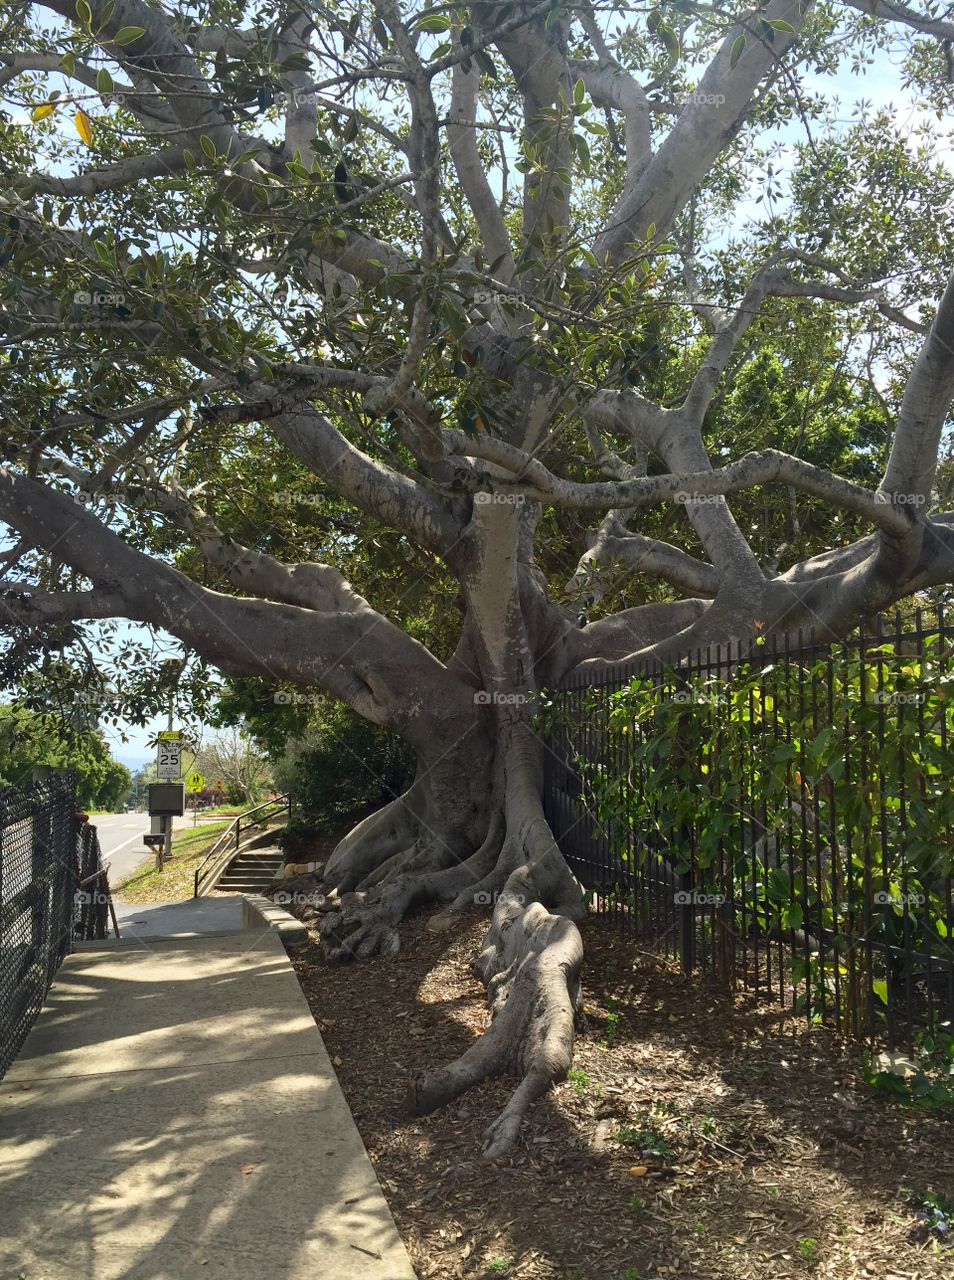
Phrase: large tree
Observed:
(463, 284)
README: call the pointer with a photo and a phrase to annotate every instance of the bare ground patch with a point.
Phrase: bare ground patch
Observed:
(699, 1135)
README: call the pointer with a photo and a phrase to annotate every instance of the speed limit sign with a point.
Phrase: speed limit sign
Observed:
(169, 759)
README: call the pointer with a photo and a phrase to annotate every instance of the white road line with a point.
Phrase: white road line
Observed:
(138, 836)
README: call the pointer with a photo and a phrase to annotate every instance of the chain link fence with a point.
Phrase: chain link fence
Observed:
(52, 890)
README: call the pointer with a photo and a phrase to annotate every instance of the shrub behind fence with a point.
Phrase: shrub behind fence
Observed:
(779, 814)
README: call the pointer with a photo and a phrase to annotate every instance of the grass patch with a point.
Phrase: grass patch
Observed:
(176, 880)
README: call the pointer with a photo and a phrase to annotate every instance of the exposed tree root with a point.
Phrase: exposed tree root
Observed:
(357, 924)
(532, 953)
(530, 963)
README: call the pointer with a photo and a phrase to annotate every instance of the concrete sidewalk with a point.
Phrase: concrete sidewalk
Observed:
(152, 920)
(174, 1116)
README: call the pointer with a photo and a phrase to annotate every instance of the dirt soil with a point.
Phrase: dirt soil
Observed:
(700, 1135)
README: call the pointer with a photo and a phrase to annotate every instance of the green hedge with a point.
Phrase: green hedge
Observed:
(341, 769)
(842, 760)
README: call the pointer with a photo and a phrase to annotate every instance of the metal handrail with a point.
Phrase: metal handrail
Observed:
(233, 829)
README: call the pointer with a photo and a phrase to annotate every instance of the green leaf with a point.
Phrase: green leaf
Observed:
(104, 81)
(207, 145)
(779, 885)
(671, 42)
(486, 63)
(126, 35)
(433, 22)
(84, 13)
(738, 48)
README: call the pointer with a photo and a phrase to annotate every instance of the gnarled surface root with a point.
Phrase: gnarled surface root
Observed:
(530, 963)
(532, 968)
(359, 923)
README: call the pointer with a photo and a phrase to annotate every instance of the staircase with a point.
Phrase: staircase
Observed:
(244, 865)
(251, 871)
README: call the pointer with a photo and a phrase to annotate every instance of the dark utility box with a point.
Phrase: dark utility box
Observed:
(166, 799)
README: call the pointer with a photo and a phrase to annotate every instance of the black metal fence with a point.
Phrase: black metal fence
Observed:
(779, 815)
(52, 889)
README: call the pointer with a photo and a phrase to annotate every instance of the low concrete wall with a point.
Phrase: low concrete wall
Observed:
(258, 911)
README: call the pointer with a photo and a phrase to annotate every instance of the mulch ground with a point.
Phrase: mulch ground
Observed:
(700, 1135)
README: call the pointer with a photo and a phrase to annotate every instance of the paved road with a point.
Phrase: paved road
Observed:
(120, 841)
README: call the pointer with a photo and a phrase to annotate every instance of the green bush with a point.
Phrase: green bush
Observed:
(804, 793)
(29, 738)
(342, 768)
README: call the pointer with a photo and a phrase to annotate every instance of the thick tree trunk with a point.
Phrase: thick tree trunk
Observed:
(471, 831)
(409, 854)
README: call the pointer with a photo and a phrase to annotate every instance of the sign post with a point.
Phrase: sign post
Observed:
(169, 769)
(169, 758)
(194, 784)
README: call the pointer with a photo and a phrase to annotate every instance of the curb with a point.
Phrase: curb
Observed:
(258, 910)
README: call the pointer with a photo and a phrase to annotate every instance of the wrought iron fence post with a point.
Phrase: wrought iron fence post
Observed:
(687, 920)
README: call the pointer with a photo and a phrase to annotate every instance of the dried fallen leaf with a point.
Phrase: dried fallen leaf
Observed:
(637, 1171)
(247, 1166)
(337, 1061)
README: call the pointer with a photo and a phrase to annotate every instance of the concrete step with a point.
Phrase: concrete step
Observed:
(225, 882)
(238, 879)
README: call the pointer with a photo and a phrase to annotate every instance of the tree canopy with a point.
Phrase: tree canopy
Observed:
(28, 739)
(424, 354)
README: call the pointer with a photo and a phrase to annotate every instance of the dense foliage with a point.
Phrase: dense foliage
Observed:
(28, 738)
(341, 769)
(806, 796)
